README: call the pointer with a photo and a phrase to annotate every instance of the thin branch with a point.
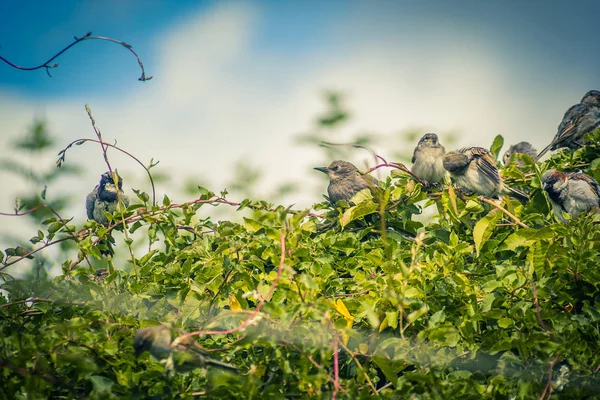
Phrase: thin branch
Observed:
(548, 389)
(120, 201)
(87, 36)
(34, 299)
(359, 365)
(336, 366)
(78, 142)
(537, 308)
(504, 210)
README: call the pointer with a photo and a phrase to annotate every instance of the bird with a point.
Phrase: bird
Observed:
(104, 198)
(579, 120)
(428, 159)
(474, 169)
(573, 193)
(345, 181)
(519, 148)
(183, 357)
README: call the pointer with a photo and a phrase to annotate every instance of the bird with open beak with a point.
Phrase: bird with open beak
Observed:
(105, 198)
(184, 356)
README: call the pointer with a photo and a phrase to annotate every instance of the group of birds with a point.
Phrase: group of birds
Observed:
(474, 169)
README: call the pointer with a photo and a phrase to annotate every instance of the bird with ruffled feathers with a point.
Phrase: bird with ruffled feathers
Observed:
(474, 169)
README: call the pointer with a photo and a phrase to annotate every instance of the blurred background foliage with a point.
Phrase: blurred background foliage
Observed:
(478, 306)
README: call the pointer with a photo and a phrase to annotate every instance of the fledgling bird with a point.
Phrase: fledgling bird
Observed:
(184, 357)
(104, 198)
(519, 148)
(345, 180)
(474, 169)
(428, 164)
(579, 120)
(573, 193)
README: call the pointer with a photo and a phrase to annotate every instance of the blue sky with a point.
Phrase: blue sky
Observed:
(238, 80)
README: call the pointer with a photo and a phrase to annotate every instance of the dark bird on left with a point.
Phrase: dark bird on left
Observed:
(345, 180)
(579, 120)
(474, 169)
(184, 356)
(105, 198)
(519, 148)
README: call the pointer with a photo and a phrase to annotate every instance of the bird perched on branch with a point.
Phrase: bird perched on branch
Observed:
(573, 193)
(579, 120)
(184, 356)
(105, 198)
(474, 169)
(428, 159)
(345, 180)
(519, 148)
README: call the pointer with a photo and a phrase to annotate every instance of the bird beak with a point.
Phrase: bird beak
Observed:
(322, 169)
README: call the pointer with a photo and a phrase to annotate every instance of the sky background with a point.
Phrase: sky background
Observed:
(239, 80)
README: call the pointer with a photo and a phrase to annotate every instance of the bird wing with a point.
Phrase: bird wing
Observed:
(414, 157)
(579, 176)
(90, 200)
(486, 164)
(568, 126)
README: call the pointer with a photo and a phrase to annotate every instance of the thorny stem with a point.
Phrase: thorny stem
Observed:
(87, 36)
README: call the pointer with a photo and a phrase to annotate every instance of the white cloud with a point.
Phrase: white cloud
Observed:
(216, 98)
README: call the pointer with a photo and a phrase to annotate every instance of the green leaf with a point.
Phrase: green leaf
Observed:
(496, 146)
(484, 228)
(358, 211)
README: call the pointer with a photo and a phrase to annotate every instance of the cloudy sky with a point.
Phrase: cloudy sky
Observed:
(238, 80)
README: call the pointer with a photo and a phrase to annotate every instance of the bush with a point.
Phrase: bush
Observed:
(488, 302)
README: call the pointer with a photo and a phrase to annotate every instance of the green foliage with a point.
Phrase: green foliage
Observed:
(477, 306)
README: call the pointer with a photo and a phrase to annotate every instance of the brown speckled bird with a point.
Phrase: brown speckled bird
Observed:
(428, 159)
(519, 148)
(579, 120)
(345, 180)
(474, 169)
(573, 193)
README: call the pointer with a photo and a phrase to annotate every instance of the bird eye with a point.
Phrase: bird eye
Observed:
(335, 168)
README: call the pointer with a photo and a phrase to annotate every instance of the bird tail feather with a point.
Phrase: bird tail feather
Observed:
(544, 151)
(222, 365)
(517, 194)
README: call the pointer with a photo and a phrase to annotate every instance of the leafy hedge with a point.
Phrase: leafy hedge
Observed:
(488, 302)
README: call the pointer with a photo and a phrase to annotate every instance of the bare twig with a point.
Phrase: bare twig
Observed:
(78, 142)
(120, 201)
(359, 365)
(504, 210)
(336, 367)
(88, 36)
